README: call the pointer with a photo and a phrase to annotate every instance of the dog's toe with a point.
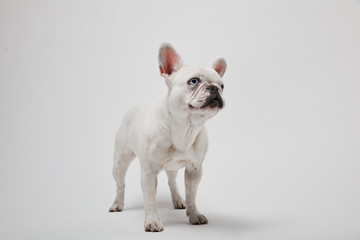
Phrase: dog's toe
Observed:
(197, 219)
(179, 204)
(116, 207)
(154, 226)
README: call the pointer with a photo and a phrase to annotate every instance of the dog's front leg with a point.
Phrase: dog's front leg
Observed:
(148, 185)
(192, 179)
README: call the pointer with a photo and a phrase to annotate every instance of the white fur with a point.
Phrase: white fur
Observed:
(167, 136)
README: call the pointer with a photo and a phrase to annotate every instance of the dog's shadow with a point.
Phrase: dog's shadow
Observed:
(171, 217)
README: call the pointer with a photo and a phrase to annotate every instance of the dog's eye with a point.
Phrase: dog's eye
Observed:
(222, 86)
(194, 81)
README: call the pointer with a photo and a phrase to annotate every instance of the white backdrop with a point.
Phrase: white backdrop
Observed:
(284, 153)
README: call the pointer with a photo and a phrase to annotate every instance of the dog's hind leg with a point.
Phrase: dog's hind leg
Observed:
(122, 159)
(177, 200)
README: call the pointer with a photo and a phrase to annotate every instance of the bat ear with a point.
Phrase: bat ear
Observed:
(169, 60)
(220, 66)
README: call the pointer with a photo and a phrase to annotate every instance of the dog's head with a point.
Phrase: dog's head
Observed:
(195, 92)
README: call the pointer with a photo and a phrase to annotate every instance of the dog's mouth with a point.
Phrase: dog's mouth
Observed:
(213, 101)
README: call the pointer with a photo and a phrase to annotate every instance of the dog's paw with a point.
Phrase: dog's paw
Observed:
(154, 226)
(197, 219)
(179, 204)
(116, 207)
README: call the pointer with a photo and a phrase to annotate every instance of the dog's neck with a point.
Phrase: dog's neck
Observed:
(183, 130)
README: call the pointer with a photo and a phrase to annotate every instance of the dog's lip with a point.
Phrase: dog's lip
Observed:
(214, 100)
(208, 106)
(215, 103)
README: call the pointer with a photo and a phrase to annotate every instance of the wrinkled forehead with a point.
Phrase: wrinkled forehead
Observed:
(204, 74)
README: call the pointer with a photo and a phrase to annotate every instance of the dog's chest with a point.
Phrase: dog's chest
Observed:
(179, 159)
(168, 156)
(177, 149)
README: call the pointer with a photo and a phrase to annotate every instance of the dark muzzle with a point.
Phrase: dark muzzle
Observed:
(214, 99)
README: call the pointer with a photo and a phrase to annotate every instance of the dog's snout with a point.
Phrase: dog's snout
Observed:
(212, 88)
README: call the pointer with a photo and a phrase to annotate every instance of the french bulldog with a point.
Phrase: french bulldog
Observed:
(170, 135)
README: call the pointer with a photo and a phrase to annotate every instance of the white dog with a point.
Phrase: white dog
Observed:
(170, 135)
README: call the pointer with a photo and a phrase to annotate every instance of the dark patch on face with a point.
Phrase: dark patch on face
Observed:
(214, 99)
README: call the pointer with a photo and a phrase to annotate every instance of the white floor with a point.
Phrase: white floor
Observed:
(99, 224)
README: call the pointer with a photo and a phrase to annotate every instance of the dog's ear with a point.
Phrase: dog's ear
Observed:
(169, 60)
(220, 66)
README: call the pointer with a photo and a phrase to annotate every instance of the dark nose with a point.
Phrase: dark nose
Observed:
(212, 88)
